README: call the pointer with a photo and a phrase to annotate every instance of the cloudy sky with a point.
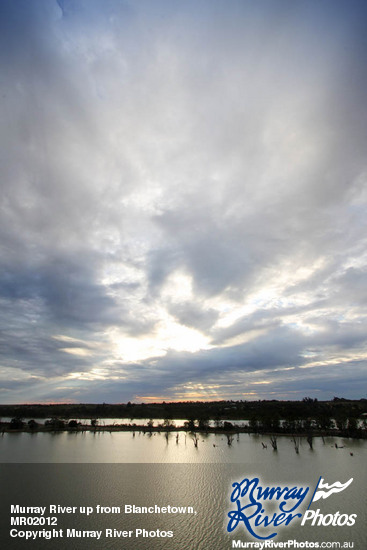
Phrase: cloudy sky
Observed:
(183, 200)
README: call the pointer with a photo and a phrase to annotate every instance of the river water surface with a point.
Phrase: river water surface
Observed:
(118, 468)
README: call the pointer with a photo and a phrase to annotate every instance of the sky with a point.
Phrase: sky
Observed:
(183, 206)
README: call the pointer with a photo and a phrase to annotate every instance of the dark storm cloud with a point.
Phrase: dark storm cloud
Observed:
(192, 315)
(36, 352)
(66, 288)
(218, 255)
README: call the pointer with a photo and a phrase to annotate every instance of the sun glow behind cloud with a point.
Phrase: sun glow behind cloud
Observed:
(168, 336)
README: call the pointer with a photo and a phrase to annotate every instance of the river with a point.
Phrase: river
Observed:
(118, 468)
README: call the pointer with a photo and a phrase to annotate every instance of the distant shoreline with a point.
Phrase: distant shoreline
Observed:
(232, 410)
(309, 417)
(142, 428)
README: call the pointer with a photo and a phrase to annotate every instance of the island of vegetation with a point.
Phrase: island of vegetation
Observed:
(308, 417)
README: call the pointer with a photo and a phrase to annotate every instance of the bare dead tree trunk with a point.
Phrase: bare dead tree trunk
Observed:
(296, 443)
(195, 439)
(273, 441)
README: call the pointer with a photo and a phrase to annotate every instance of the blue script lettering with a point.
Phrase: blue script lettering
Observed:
(249, 498)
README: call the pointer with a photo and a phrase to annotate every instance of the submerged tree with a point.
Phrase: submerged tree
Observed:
(195, 439)
(229, 439)
(190, 425)
(296, 442)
